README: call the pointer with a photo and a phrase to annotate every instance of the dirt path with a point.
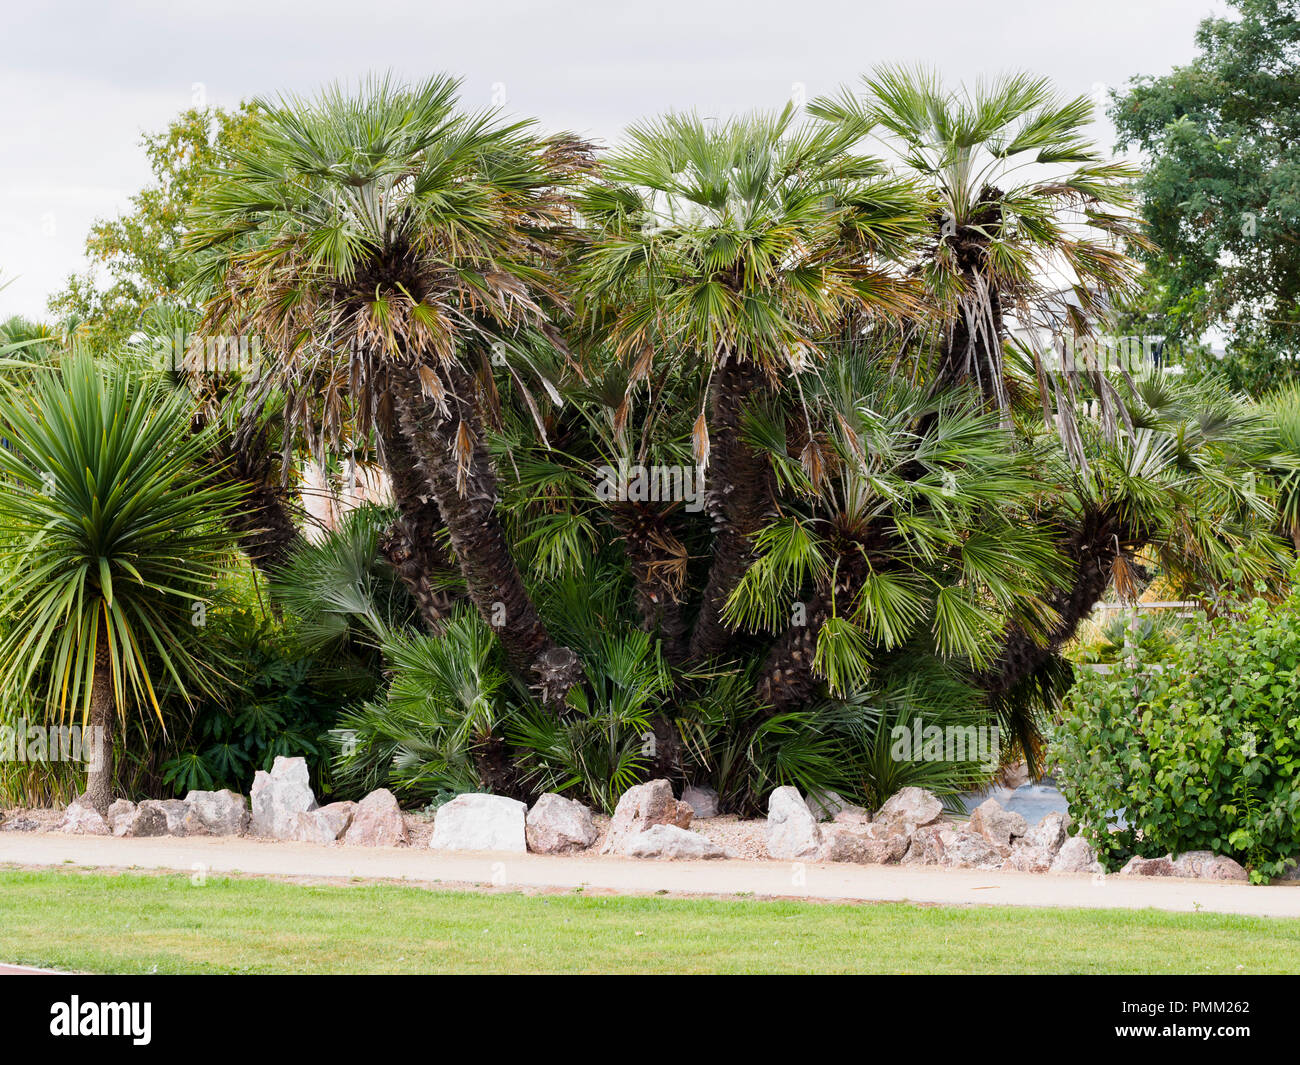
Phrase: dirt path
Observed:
(875, 883)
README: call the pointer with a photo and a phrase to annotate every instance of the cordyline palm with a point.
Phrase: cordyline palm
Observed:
(1025, 208)
(736, 247)
(112, 532)
(379, 244)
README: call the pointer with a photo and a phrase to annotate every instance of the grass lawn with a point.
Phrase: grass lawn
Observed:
(162, 923)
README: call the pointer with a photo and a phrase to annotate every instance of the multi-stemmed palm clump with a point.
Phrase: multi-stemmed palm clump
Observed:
(899, 521)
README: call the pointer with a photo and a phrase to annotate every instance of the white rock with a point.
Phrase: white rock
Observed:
(215, 813)
(127, 819)
(1206, 865)
(1076, 856)
(792, 831)
(642, 807)
(824, 805)
(556, 825)
(702, 800)
(324, 825)
(172, 811)
(82, 819)
(279, 796)
(377, 822)
(480, 822)
(671, 842)
(997, 825)
(909, 810)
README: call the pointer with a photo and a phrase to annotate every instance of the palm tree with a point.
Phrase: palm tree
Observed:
(113, 535)
(734, 248)
(380, 244)
(1024, 208)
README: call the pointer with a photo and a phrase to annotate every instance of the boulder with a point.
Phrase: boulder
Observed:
(641, 808)
(1076, 856)
(852, 815)
(172, 811)
(1037, 849)
(997, 825)
(377, 822)
(215, 813)
(1149, 867)
(927, 845)
(964, 849)
(792, 830)
(82, 819)
(702, 800)
(671, 842)
(322, 826)
(127, 819)
(1206, 865)
(909, 810)
(480, 822)
(279, 796)
(848, 843)
(556, 825)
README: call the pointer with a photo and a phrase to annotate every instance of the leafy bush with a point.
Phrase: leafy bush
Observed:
(1197, 751)
(279, 697)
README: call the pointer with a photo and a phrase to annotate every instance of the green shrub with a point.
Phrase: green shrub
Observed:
(1197, 751)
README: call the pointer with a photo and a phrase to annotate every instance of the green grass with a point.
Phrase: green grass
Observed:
(145, 923)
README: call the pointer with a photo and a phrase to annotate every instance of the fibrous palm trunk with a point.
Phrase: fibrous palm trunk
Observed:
(1094, 546)
(658, 563)
(787, 680)
(411, 543)
(449, 451)
(739, 501)
(99, 773)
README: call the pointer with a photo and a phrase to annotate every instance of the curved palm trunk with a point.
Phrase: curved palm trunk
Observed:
(466, 498)
(1094, 547)
(411, 543)
(739, 501)
(99, 774)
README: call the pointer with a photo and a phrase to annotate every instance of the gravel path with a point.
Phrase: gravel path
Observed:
(866, 883)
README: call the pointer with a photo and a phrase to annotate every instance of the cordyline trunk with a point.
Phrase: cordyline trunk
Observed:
(99, 775)
(411, 543)
(1094, 547)
(657, 560)
(739, 501)
(469, 511)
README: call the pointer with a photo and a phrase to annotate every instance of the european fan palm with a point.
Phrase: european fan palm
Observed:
(112, 536)
(1025, 209)
(737, 247)
(381, 244)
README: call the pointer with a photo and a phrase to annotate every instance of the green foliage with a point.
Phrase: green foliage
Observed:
(1196, 749)
(113, 537)
(1220, 191)
(140, 252)
(278, 700)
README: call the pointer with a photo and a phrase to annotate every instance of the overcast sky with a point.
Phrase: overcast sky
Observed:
(82, 80)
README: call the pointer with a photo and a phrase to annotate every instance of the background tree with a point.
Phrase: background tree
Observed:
(1220, 191)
